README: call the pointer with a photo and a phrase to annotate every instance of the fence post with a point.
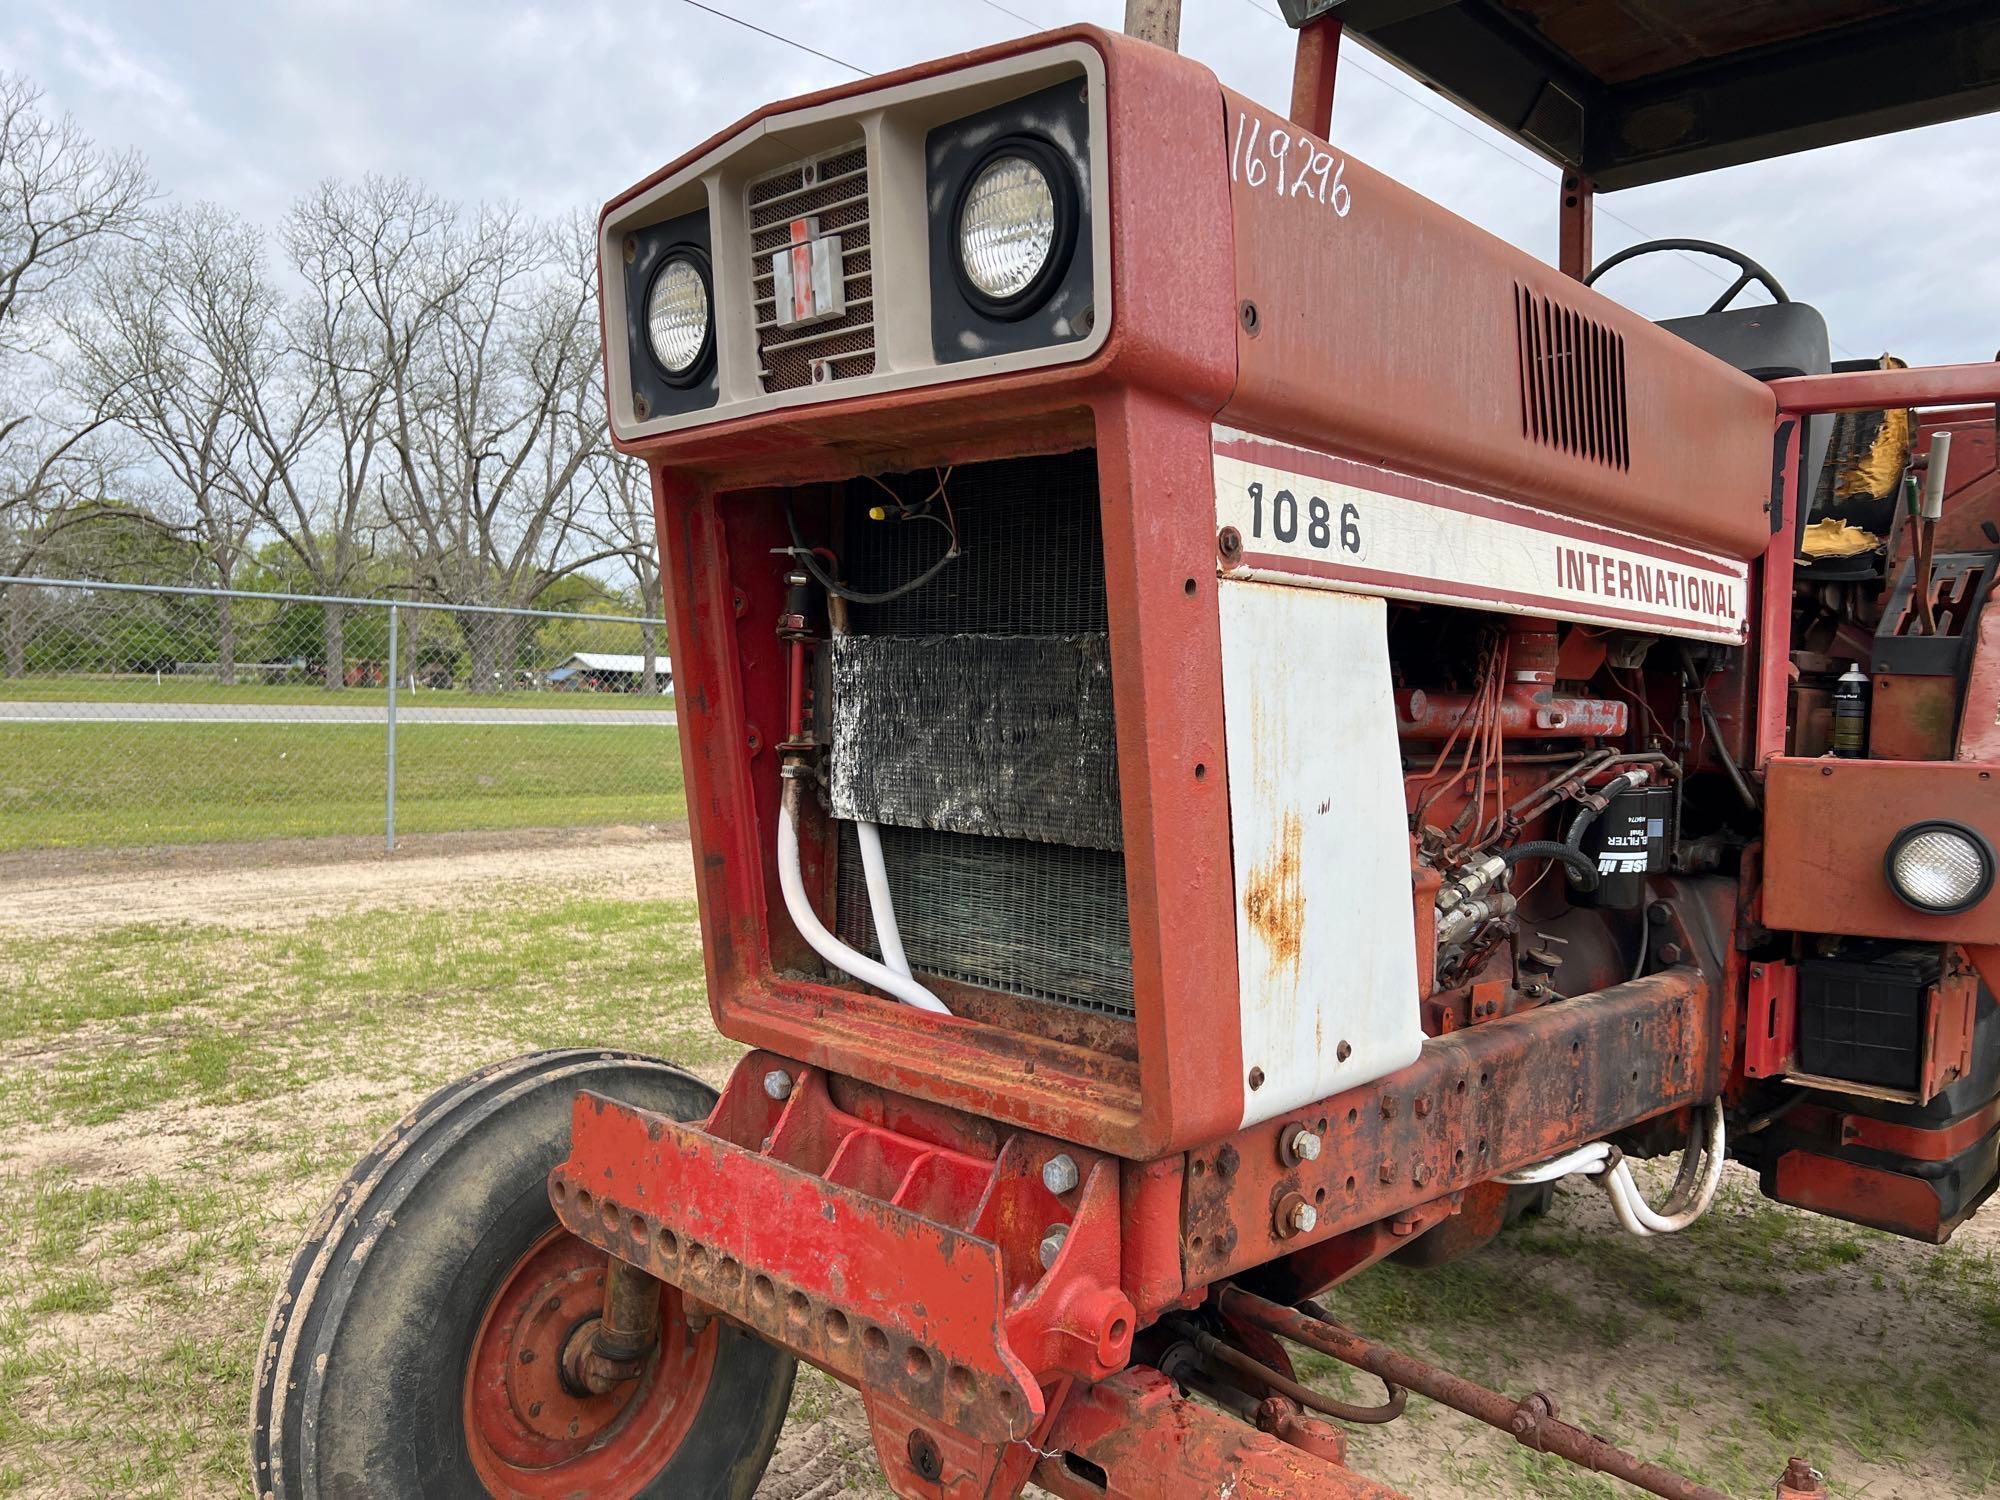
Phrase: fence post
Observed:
(394, 660)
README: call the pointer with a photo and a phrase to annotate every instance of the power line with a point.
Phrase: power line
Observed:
(1025, 21)
(1466, 130)
(776, 37)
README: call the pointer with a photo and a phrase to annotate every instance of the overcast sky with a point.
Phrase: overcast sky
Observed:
(560, 105)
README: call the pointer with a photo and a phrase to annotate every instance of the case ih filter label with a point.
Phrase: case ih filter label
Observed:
(1292, 515)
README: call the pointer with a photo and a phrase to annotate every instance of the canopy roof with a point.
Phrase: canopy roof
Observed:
(1637, 91)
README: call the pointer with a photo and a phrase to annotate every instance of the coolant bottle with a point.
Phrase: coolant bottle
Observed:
(1850, 713)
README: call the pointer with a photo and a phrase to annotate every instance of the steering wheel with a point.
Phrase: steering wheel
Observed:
(1750, 269)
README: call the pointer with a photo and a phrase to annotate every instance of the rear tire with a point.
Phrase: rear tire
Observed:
(440, 1258)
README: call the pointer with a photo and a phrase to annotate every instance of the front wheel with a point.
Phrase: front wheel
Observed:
(415, 1345)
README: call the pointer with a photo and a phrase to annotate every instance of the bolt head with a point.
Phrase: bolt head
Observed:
(1306, 1145)
(1052, 1243)
(778, 1084)
(1420, 1173)
(1305, 1218)
(1059, 1175)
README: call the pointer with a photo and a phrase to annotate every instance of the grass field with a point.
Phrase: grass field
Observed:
(135, 783)
(95, 688)
(177, 1099)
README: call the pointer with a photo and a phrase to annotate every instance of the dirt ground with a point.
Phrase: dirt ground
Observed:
(150, 1209)
(290, 883)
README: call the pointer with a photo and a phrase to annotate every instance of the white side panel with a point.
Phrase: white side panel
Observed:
(1325, 934)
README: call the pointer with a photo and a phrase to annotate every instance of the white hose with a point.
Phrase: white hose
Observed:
(825, 944)
(881, 905)
(1693, 1190)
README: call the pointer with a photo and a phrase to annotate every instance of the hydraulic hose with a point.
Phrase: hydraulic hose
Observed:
(1587, 814)
(848, 960)
(1736, 777)
(881, 906)
(1693, 1190)
(1575, 860)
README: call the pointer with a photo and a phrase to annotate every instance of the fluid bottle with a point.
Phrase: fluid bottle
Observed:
(1850, 713)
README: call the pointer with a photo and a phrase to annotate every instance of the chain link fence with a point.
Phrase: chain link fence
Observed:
(138, 715)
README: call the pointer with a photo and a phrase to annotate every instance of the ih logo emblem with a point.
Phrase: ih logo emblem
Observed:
(809, 285)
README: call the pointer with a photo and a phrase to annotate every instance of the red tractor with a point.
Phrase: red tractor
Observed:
(1235, 725)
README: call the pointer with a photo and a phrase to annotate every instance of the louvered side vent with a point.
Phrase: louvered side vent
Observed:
(825, 195)
(1572, 380)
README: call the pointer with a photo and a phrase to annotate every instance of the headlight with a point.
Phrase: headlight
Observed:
(677, 317)
(1940, 867)
(1016, 227)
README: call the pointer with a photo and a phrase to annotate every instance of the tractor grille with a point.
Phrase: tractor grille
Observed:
(1572, 380)
(833, 188)
(972, 723)
(1043, 921)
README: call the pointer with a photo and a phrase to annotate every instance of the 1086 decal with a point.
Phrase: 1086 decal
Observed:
(1324, 528)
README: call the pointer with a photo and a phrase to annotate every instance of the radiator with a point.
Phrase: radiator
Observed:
(972, 720)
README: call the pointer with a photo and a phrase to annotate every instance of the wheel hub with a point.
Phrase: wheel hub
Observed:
(531, 1431)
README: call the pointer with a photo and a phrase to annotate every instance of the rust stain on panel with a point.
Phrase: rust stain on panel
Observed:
(1275, 901)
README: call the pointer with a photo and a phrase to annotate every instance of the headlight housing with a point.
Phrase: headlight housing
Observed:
(1939, 867)
(680, 317)
(1014, 227)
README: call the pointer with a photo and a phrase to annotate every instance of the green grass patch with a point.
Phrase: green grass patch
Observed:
(135, 783)
(134, 1282)
(123, 688)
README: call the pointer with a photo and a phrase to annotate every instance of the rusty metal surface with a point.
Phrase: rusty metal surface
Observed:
(1146, 402)
(1913, 718)
(1979, 730)
(1149, 1442)
(1576, 226)
(1315, 72)
(1828, 824)
(1532, 1422)
(1872, 390)
(1844, 1128)
(1771, 644)
(1264, 1378)
(1801, 1481)
(1393, 330)
(1526, 711)
(870, 1244)
(1771, 1022)
(1478, 1102)
(1863, 1194)
(1972, 480)
(1318, 1267)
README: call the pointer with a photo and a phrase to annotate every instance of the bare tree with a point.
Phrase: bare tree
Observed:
(620, 520)
(166, 337)
(381, 261)
(495, 423)
(62, 200)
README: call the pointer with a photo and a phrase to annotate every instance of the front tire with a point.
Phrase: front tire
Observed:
(414, 1345)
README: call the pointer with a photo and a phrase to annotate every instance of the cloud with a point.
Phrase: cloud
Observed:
(555, 105)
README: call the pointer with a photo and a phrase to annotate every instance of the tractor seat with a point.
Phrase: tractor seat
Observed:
(1769, 342)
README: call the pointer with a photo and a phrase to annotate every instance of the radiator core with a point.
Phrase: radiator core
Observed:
(971, 720)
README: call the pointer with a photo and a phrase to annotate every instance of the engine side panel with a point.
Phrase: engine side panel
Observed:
(1326, 947)
(1376, 324)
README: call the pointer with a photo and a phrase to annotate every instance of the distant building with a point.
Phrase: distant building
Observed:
(609, 672)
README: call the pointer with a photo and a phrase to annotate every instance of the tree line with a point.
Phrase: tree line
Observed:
(389, 393)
